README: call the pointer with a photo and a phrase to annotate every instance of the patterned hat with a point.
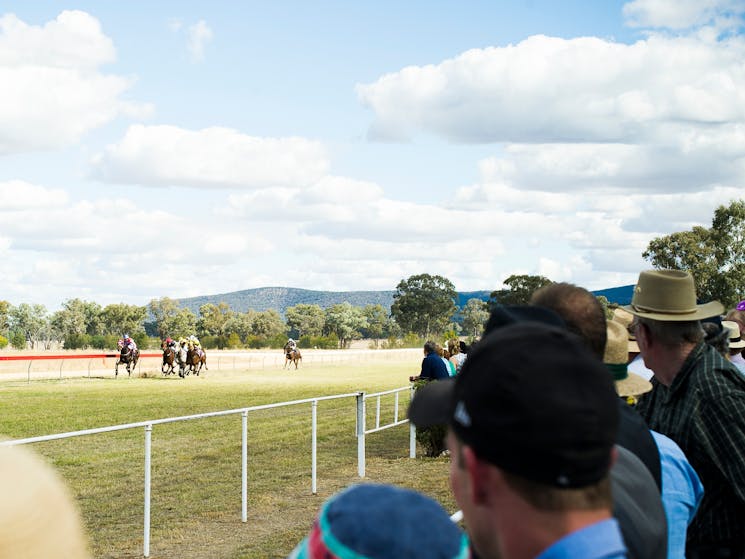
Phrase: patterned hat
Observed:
(372, 521)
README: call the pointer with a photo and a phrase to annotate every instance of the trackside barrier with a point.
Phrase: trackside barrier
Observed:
(148, 426)
(63, 358)
(362, 418)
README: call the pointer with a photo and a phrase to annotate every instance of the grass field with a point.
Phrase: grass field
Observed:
(196, 465)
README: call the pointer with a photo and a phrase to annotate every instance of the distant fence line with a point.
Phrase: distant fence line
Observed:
(216, 359)
(361, 432)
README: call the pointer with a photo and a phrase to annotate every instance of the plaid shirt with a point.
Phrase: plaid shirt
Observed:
(703, 410)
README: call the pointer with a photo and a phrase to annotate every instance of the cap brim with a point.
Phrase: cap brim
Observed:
(707, 310)
(432, 403)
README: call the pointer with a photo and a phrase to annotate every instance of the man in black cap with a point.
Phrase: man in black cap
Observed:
(532, 443)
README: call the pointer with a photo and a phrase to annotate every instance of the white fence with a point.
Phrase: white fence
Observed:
(361, 432)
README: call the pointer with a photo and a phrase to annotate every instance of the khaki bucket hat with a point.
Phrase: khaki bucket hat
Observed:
(669, 296)
(626, 318)
(615, 358)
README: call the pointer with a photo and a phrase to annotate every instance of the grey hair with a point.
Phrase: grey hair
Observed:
(674, 334)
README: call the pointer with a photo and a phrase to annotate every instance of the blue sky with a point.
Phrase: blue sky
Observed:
(152, 149)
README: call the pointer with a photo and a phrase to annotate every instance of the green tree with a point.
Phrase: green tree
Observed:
(519, 289)
(241, 324)
(424, 304)
(345, 321)
(378, 323)
(183, 324)
(30, 320)
(120, 318)
(475, 314)
(306, 320)
(212, 319)
(164, 312)
(4, 314)
(77, 318)
(268, 324)
(714, 256)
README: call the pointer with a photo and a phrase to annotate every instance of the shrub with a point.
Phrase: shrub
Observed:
(77, 341)
(18, 339)
(3, 342)
(431, 439)
(234, 341)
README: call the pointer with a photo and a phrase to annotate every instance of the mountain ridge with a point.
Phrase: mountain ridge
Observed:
(279, 298)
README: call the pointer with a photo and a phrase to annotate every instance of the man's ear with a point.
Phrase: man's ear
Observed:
(479, 474)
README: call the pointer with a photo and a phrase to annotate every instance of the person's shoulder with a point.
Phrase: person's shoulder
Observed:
(716, 378)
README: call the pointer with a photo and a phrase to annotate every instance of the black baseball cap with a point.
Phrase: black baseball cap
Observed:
(532, 400)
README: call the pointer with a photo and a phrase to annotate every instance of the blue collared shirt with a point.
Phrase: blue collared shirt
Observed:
(682, 492)
(601, 540)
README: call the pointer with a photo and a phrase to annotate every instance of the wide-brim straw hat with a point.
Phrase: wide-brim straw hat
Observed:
(626, 318)
(735, 340)
(616, 357)
(669, 296)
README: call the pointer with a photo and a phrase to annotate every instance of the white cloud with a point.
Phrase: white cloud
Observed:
(547, 89)
(679, 14)
(21, 195)
(213, 157)
(52, 90)
(199, 35)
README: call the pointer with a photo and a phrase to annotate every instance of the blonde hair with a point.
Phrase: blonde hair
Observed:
(38, 516)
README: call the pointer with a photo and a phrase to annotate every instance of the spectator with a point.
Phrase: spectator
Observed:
(38, 516)
(433, 367)
(635, 361)
(697, 400)
(531, 443)
(457, 354)
(381, 522)
(681, 488)
(584, 315)
(736, 343)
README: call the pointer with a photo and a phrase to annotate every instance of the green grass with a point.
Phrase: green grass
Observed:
(196, 464)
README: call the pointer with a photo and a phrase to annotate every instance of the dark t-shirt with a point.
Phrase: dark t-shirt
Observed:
(433, 367)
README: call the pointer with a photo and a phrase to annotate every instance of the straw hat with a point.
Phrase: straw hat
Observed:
(735, 341)
(670, 296)
(626, 318)
(615, 358)
(38, 516)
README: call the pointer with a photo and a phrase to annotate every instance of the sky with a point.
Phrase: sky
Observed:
(183, 148)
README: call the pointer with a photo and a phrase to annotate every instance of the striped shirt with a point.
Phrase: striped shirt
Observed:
(703, 410)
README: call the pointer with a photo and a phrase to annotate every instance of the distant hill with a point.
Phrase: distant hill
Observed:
(279, 298)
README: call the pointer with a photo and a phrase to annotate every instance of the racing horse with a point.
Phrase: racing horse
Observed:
(292, 355)
(127, 357)
(169, 358)
(194, 358)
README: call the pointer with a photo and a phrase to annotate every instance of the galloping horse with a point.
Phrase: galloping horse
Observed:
(127, 357)
(193, 359)
(169, 358)
(292, 355)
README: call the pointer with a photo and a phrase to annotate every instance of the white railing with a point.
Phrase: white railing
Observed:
(148, 426)
(362, 418)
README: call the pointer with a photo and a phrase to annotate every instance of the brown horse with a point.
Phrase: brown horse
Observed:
(292, 356)
(169, 358)
(193, 358)
(129, 358)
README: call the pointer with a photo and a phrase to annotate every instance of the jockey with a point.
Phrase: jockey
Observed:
(171, 343)
(128, 342)
(193, 342)
(291, 344)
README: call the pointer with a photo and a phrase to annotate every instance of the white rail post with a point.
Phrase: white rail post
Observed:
(148, 446)
(377, 414)
(412, 433)
(244, 466)
(314, 446)
(361, 434)
(395, 408)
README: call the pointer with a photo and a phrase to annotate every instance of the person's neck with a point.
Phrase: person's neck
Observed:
(531, 535)
(669, 361)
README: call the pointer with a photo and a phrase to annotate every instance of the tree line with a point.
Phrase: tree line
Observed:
(423, 305)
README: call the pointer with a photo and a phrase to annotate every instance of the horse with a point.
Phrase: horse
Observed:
(193, 359)
(292, 355)
(169, 358)
(127, 357)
